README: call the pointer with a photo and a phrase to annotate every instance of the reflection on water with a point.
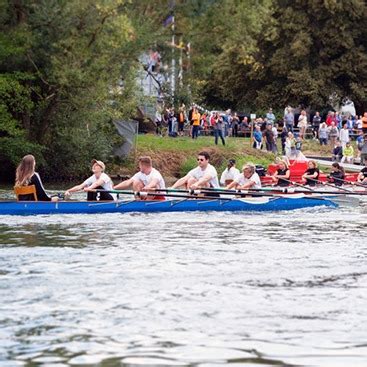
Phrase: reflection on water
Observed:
(184, 289)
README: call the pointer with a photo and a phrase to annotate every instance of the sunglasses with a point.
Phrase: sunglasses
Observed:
(201, 159)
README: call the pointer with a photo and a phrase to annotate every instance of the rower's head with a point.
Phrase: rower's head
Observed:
(312, 164)
(335, 167)
(145, 164)
(248, 170)
(231, 163)
(98, 167)
(25, 170)
(203, 159)
(283, 164)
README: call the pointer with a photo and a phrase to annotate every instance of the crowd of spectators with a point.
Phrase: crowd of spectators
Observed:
(336, 130)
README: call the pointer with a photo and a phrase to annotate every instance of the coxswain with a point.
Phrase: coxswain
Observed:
(26, 176)
(203, 176)
(311, 176)
(147, 179)
(230, 173)
(98, 181)
(282, 174)
(248, 179)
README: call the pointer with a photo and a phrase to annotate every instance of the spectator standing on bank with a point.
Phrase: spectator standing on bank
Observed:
(333, 133)
(344, 136)
(302, 124)
(269, 139)
(359, 142)
(218, 128)
(330, 118)
(181, 120)
(235, 123)
(283, 138)
(364, 123)
(195, 123)
(289, 120)
(270, 116)
(323, 134)
(158, 122)
(316, 121)
(257, 138)
(364, 151)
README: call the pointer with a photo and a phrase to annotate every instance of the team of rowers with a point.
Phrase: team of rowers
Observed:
(99, 186)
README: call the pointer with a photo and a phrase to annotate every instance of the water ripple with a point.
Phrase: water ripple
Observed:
(184, 289)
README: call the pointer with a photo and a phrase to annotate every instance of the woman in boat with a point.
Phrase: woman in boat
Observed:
(282, 174)
(337, 174)
(311, 175)
(98, 181)
(26, 175)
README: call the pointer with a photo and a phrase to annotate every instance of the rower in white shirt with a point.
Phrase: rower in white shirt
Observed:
(248, 179)
(204, 175)
(98, 181)
(230, 173)
(147, 179)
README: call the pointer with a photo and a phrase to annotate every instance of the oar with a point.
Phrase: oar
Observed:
(328, 184)
(143, 194)
(297, 184)
(208, 190)
(352, 183)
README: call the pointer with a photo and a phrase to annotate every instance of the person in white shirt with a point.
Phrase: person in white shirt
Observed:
(98, 181)
(204, 175)
(230, 173)
(344, 135)
(248, 179)
(147, 179)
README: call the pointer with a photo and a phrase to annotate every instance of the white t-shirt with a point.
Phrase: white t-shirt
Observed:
(229, 174)
(241, 180)
(147, 179)
(344, 135)
(198, 173)
(107, 182)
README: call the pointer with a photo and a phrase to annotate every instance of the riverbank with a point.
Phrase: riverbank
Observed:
(174, 157)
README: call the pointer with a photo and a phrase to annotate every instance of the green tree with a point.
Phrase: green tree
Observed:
(303, 53)
(67, 69)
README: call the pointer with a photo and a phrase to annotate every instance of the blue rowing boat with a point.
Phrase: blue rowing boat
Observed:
(184, 205)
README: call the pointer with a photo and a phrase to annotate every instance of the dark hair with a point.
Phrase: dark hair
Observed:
(338, 167)
(205, 154)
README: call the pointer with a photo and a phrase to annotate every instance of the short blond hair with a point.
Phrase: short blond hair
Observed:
(251, 166)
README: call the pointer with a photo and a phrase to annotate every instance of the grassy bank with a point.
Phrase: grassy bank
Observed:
(174, 157)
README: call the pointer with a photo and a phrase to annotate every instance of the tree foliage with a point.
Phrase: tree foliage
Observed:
(285, 52)
(67, 69)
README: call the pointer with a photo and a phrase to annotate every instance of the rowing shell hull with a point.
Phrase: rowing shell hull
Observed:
(124, 206)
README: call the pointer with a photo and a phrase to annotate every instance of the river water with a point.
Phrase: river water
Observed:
(185, 289)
